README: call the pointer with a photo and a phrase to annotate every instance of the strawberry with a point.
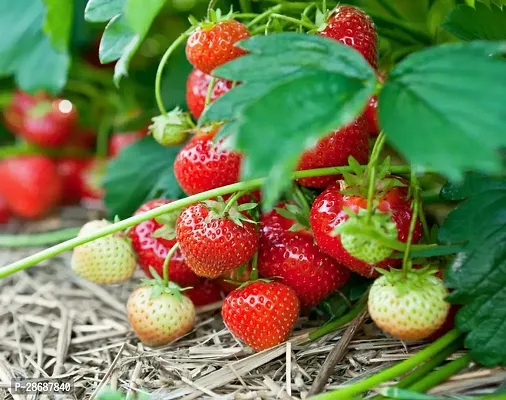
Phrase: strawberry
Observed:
(354, 28)
(120, 140)
(334, 150)
(30, 185)
(239, 275)
(49, 123)
(329, 211)
(71, 172)
(5, 214)
(14, 113)
(158, 315)
(214, 239)
(203, 165)
(371, 116)
(410, 308)
(213, 44)
(261, 314)
(92, 176)
(107, 260)
(293, 256)
(152, 240)
(172, 128)
(196, 91)
(205, 292)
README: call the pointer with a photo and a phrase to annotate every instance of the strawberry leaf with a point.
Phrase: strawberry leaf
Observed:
(102, 10)
(478, 23)
(442, 126)
(333, 76)
(139, 173)
(477, 273)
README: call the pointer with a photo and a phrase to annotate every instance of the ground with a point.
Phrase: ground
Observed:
(53, 324)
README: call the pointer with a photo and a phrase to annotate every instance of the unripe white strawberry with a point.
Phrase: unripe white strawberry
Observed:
(410, 308)
(107, 260)
(159, 318)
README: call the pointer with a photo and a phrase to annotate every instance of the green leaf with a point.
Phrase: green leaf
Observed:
(141, 172)
(25, 45)
(472, 184)
(117, 36)
(442, 125)
(477, 275)
(481, 22)
(141, 13)
(103, 10)
(299, 97)
(58, 22)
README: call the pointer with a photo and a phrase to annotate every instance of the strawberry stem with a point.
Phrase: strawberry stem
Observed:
(302, 200)
(233, 200)
(412, 225)
(103, 137)
(296, 21)
(167, 208)
(163, 61)
(264, 15)
(245, 6)
(371, 176)
(38, 239)
(210, 88)
(401, 368)
(165, 268)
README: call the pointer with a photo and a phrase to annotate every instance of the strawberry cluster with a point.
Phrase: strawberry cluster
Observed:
(50, 174)
(266, 267)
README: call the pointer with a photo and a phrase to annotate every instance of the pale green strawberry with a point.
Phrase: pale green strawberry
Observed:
(410, 308)
(364, 246)
(159, 315)
(106, 260)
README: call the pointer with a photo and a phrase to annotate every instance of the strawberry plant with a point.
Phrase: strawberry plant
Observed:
(315, 135)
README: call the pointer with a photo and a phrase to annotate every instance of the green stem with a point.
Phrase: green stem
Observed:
(163, 61)
(38, 239)
(264, 15)
(371, 176)
(245, 6)
(103, 138)
(412, 225)
(425, 226)
(302, 199)
(294, 20)
(210, 88)
(155, 212)
(338, 323)
(393, 372)
(247, 15)
(233, 199)
(165, 268)
(441, 375)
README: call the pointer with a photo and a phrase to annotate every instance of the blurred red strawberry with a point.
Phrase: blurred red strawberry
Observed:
(119, 141)
(15, 112)
(5, 214)
(71, 173)
(205, 292)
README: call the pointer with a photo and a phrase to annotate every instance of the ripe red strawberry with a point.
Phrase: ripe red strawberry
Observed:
(107, 260)
(118, 141)
(196, 91)
(214, 240)
(92, 176)
(14, 113)
(354, 28)
(329, 211)
(204, 165)
(239, 275)
(82, 138)
(261, 314)
(213, 44)
(205, 292)
(296, 259)
(5, 214)
(334, 150)
(71, 173)
(49, 123)
(410, 308)
(159, 318)
(153, 239)
(30, 185)
(371, 116)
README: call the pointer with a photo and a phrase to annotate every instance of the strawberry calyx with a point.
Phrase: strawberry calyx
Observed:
(294, 212)
(171, 129)
(218, 209)
(168, 229)
(161, 287)
(411, 279)
(356, 183)
(214, 17)
(40, 109)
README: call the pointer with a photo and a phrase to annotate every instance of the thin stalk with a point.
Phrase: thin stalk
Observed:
(232, 200)
(263, 16)
(338, 323)
(103, 138)
(442, 374)
(38, 239)
(302, 199)
(165, 268)
(296, 21)
(245, 6)
(166, 208)
(245, 15)
(210, 88)
(371, 176)
(401, 368)
(412, 225)
(163, 61)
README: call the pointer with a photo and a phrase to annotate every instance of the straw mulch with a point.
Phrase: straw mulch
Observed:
(53, 324)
